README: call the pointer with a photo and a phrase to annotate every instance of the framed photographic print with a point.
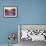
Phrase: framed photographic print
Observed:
(10, 11)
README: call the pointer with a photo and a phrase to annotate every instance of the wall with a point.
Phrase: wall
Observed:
(7, 25)
(29, 12)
